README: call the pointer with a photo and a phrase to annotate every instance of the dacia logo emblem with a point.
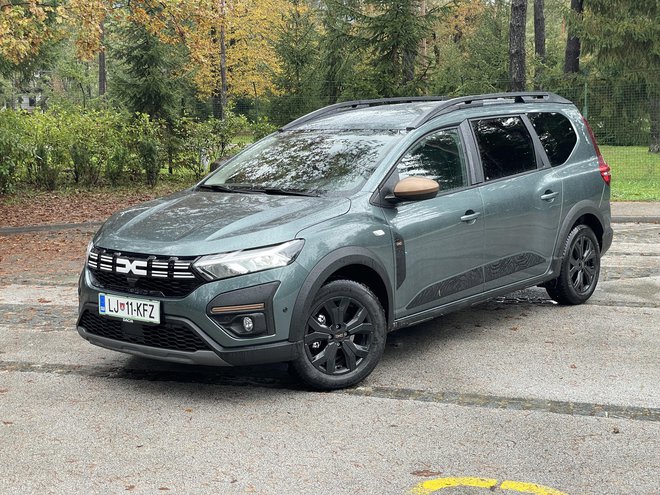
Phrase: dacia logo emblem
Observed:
(137, 267)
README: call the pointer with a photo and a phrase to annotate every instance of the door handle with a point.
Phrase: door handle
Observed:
(470, 216)
(549, 195)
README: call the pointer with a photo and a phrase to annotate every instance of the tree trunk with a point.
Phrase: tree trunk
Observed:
(573, 44)
(220, 93)
(223, 70)
(517, 67)
(102, 67)
(422, 12)
(539, 42)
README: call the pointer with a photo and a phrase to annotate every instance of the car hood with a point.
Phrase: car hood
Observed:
(192, 223)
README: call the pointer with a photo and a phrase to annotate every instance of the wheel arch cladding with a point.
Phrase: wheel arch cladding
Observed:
(351, 263)
(591, 221)
(585, 213)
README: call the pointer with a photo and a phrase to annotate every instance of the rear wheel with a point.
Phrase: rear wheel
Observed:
(580, 268)
(344, 338)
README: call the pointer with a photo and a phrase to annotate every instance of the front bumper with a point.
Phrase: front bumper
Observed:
(218, 356)
(189, 333)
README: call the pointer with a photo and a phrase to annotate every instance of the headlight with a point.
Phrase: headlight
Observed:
(90, 246)
(219, 266)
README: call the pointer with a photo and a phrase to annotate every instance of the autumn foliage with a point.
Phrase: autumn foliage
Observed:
(248, 27)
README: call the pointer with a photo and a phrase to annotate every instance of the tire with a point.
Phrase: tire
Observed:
(344, 337)
(580, 268)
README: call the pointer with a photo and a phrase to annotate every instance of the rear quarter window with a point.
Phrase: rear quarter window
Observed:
(556, 134)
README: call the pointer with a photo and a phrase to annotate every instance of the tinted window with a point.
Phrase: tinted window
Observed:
(557, 135)
(438, 157)
(505, 146)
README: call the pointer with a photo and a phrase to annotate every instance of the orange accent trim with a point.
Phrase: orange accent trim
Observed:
(238, 309)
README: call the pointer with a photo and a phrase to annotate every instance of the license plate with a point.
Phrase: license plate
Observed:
(128, 308)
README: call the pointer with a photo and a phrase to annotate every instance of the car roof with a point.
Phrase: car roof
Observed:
(386, 117)
(407, 113)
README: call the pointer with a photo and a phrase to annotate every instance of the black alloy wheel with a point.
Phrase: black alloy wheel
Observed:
(344, 337)
(580, 268)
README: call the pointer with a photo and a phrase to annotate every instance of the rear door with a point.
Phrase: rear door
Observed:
(522, 198)
(438, 242)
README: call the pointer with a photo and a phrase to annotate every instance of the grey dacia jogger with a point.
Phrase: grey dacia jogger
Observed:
(357, 219)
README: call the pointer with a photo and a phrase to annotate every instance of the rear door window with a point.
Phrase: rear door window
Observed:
(556, 134)
(505, 146)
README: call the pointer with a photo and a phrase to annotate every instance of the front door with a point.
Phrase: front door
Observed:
(438, 242)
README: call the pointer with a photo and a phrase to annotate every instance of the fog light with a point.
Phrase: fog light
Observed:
(248, 324)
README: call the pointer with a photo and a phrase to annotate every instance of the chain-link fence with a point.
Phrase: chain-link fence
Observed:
(620, 110)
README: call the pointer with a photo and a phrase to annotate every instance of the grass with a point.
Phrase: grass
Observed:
(635, 173)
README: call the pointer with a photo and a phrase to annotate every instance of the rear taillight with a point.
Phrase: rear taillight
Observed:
(605, 170)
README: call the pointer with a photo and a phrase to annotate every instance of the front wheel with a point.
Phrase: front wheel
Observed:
(580, 268)
(344, 338)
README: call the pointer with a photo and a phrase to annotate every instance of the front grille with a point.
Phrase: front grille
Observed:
(142, 274)
(173, 336)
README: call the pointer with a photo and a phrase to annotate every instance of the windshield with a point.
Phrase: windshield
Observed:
(309, 161)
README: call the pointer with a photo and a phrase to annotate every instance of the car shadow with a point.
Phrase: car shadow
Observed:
(402, 345)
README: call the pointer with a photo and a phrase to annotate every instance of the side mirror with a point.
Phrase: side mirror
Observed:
(416, 189)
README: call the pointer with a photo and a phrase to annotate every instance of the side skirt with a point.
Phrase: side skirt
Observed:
(430, 314)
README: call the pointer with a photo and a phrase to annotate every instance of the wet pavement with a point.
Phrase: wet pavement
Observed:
(554, 400)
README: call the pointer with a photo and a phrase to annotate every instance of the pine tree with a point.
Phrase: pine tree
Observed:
(297, 48)
(394, 31)
(338, 54)
(144, 82)
(625, 35)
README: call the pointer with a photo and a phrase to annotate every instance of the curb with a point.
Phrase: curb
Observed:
(633, 219)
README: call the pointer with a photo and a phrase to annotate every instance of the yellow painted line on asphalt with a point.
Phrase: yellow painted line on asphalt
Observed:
(517, 486)
(432, 486)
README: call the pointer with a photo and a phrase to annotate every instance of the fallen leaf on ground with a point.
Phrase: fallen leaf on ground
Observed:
(425, 473)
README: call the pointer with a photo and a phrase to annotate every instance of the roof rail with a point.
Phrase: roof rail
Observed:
(453, 104)
(349, 105)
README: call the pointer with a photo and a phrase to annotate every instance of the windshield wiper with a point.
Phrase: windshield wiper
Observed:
(246, 189)
(288, 192)
(217, 188)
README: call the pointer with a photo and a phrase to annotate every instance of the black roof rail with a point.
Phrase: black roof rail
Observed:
(349, 105)
(453, 104)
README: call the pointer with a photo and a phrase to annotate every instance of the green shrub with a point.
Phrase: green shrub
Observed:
(199, 146)
(147, 143)
(262, 128)
(228, 129)
(13, 148)
(117, 168)
(90, 147)
(48, 157)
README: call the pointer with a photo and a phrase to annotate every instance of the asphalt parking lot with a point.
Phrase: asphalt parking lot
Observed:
(517, 395)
